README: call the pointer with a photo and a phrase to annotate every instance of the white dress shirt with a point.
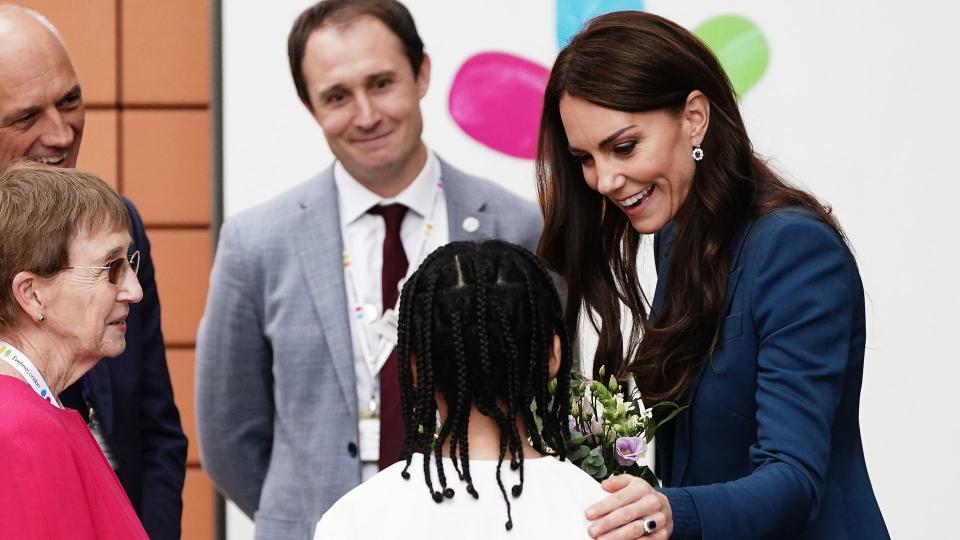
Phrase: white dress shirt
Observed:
(363, 236)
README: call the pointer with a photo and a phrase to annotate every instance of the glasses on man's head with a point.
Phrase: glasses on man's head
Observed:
(117, 268)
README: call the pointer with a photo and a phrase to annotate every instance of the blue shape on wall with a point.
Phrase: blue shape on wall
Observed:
(571, 14)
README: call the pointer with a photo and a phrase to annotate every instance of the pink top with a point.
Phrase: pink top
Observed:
(54, 480)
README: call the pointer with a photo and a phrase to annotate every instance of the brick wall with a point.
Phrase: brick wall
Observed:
(144, 67)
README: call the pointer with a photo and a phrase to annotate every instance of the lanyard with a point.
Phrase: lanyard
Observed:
(366, 314)
(30, 373)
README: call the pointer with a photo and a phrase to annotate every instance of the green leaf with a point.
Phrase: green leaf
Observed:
(649, 430)
(594, 465)
(652, 425)
(647, 474)
(666, 404)
(577, 452)
(672, 414)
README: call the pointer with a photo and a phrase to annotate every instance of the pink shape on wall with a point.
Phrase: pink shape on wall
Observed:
(496, 99)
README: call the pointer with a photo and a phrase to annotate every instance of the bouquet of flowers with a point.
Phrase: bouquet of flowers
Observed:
(610, 429)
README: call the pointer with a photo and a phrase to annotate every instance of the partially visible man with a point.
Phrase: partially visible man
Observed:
(297, 386)
(127, 401)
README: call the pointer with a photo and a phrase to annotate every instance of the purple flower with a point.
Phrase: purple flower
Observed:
(593, 427)
(627, 450)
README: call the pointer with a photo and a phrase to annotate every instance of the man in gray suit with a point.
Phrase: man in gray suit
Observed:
(296, 384)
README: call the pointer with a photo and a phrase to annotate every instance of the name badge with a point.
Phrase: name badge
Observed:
(370, 439)
(387, 326)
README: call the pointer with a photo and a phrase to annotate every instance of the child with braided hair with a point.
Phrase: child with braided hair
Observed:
(481, 343)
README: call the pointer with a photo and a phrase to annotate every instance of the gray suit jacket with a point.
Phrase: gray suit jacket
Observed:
(276, 393)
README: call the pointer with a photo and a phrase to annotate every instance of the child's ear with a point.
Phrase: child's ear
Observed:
(553, 366)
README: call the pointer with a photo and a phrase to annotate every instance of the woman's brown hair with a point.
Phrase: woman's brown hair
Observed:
(633, 62)
(42, 210)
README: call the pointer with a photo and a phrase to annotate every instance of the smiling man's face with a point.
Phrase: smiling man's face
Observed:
(364, 94)
(41, 108)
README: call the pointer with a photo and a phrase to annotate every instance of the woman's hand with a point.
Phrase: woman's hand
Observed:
(632, 504)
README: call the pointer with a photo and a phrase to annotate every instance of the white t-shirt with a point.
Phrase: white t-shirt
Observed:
(552, 504)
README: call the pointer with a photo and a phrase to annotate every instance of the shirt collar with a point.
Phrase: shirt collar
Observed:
(355, 199)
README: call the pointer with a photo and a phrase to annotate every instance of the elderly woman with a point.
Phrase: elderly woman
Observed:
(66, 284)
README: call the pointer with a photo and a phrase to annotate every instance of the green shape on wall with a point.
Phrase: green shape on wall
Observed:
(741, 47)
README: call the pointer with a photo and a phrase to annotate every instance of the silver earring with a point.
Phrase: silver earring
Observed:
(40, 317)
(697, 153)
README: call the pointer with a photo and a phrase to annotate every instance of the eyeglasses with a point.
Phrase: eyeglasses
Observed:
(117, 268)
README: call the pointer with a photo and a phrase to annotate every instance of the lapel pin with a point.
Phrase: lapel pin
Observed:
(471, 224)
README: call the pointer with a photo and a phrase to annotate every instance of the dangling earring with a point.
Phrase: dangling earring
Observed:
(697, 153)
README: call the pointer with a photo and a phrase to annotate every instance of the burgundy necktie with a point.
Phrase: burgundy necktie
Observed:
(394, 269)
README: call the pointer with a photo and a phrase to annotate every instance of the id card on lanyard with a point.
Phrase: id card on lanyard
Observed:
(19, 361)
(379, 329)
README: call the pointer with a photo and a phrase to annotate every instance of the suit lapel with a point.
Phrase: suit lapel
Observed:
(317, 238)
(467, 218)
(681, 454)
(662, 242)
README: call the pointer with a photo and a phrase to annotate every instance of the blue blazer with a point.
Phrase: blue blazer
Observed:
(770, 446)
(134, 402)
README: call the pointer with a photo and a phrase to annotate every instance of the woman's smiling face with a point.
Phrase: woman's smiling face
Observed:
(640, 161)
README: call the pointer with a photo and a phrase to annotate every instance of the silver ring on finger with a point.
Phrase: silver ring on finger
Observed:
(649, 525)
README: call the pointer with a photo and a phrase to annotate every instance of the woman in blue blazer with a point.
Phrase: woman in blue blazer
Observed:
(757, 323)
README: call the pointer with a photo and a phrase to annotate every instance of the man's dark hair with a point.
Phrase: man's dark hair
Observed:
(480, 319)
(342, 13)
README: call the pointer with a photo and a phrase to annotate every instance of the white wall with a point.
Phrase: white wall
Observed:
(857, 105)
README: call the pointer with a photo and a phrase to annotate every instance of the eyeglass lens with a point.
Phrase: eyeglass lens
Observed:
(118, 266)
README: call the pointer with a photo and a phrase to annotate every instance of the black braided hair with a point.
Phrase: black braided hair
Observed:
(479, 319)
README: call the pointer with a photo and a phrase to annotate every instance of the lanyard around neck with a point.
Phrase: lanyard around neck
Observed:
(19, 361)
(375, 361)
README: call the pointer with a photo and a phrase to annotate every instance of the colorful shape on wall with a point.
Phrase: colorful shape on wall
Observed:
(572, 14)
(741, 47)
(496, 99)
